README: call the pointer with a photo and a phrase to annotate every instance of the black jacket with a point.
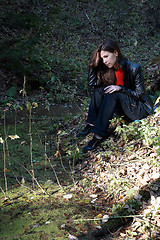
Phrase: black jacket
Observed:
(133, 83)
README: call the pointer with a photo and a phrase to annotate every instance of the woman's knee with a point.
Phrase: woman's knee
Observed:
(99, 91)
(109, 97)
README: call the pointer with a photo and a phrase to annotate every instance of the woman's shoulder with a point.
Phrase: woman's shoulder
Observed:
(127, 64)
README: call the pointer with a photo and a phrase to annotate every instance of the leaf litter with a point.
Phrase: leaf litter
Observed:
(121, 178)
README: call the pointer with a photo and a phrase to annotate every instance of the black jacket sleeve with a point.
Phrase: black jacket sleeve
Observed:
(134, 82)
(92, 77)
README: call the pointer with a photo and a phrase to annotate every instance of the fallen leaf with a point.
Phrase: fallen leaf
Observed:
(58, 235)
(47, 222)
(105, 218)
(68, 196)
(63, 226)
(98, 227)
(93, 195)
(72, 237)
(12, 137)
(35, 104)
(56, 154)
(5, 170)
(99, 215)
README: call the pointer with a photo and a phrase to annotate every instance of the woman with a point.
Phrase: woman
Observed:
(118, 88)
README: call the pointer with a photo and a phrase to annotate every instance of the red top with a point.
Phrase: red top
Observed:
(119, 77)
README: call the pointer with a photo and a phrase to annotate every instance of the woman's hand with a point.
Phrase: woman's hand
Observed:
(111, 89)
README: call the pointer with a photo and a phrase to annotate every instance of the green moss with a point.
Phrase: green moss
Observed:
(29, 216)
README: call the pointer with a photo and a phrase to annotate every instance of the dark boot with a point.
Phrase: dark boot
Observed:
(91, 145)
(85, 131)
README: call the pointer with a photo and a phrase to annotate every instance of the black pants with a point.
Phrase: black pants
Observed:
(103, 106)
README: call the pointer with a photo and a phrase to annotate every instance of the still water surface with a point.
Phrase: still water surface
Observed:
(53, 112)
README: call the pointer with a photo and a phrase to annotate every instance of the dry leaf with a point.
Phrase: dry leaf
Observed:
(68, 196)
(72, 237)
(56, 154)
(1, 140)
(12, 137)
(93, 195)
(105, 218)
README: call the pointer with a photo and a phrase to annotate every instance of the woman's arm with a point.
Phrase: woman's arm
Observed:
(136, 80)
(135, 83)
(92, 77)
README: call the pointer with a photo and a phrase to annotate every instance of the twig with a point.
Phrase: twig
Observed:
(89, 20)
(4, 155)
(24, 93)
(58, 138)
(5, 133)
(31, 176)
(4, 166)
(112, 217)
(45, 154)
(3, 191)
(75, 101)
(72, 172)
(15, 121)
(60, 156)
(54, 172)
(31, 144)
(22, 185)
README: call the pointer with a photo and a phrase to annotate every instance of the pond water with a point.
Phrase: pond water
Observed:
(38, 113)
(34, 142)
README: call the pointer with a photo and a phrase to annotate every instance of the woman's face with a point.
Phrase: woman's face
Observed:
(109, 59)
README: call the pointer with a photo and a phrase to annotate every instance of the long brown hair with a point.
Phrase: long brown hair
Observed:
(105, 74)
(110, 46)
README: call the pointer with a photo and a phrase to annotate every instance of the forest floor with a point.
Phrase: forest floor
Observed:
(112, 193)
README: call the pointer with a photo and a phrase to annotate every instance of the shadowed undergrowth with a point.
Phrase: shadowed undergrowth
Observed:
(51, 43)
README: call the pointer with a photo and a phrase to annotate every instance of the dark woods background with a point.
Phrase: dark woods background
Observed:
(51, 42)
